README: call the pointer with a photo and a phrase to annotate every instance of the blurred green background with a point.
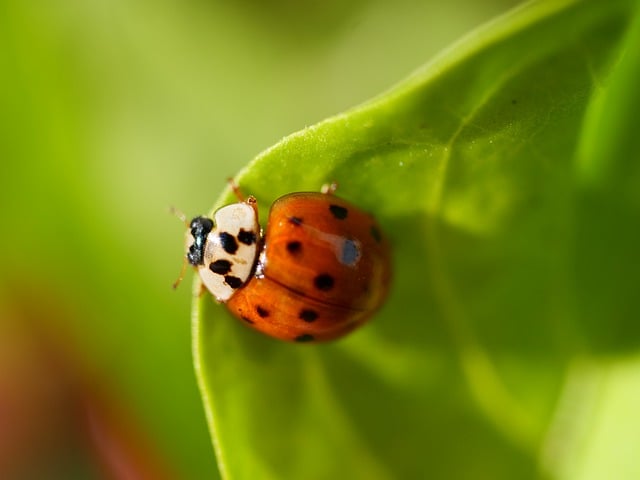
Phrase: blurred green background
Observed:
(109, 113)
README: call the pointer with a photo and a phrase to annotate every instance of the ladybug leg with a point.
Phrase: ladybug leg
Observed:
(174, 211)
(251, 200)
(329, 188)
(236, 189)
(182, 272)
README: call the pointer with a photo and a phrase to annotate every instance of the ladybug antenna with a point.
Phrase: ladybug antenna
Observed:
(178, 213)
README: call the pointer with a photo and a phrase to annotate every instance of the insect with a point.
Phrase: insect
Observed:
(322, 268)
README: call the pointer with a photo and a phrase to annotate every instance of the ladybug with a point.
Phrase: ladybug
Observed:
(322, 268)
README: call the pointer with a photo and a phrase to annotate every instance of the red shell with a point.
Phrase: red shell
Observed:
(324, 270)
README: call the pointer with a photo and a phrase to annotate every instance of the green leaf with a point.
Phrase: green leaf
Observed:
(475, 167)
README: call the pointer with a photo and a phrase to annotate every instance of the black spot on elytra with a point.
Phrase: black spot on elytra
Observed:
(262, 312)
(375, 233)
(324, 282)
(308, 315)
(233, 282)
(247, 237)
(339, 212)
(297, 221)
(228, 242)
(304, 338)
(221, 267)
(246, 319)
(294, 247)
(350, 253)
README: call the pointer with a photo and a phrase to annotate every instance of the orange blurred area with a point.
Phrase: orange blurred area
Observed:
(59, 417)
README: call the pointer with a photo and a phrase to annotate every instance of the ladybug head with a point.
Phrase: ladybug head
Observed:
(200, 228)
